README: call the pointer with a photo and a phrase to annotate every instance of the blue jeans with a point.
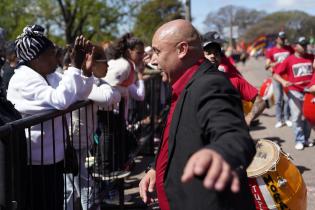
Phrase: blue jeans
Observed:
(81, 185)
(281, 102)
(301, 127)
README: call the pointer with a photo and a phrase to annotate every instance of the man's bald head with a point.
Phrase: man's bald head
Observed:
(176, 46)
(177, 31)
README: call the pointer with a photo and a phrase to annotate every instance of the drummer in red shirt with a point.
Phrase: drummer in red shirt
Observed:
(299, 69)
(212, 51)
(274, 57)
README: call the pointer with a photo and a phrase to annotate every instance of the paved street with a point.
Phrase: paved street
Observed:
(254, 72)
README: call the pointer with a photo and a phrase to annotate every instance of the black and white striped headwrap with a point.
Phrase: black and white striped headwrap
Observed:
(31, 43)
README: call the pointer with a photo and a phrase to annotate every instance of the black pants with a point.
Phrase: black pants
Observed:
(45, 187)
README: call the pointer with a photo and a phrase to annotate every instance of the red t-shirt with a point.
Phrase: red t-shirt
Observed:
(162, 159)
(246, 90)
(299, 71)
(227, 67)
(278, 55)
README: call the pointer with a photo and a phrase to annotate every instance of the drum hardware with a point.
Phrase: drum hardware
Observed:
(274, 180)
(282, 181)
(287, 155)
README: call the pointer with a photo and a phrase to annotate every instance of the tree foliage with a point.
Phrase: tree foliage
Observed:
(295, 23)
(66, 19)
(154, 13)
(14, 16)
(233, 16)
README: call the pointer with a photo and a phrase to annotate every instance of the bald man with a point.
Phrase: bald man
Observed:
(205, 146)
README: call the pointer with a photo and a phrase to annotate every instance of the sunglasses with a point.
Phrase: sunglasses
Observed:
(101, 60)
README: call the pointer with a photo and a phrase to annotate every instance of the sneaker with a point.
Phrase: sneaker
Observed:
(309, 144)
(114, 199)
(288, 123)
(299, 146)
(278, 125)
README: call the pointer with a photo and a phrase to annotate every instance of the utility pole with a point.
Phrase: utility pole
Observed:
(187, 10)
(231, 33)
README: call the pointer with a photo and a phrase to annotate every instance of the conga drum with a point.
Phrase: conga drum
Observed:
(247, 106)
(266, 92)
(309, 108)
(274, 180)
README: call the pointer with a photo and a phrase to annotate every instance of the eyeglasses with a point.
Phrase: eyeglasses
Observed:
(101, 61)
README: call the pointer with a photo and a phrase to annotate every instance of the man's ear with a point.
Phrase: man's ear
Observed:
(182, 49)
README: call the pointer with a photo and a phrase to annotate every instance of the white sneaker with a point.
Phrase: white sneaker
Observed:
(309, 144)
(278, 124)
(299, 146)
(289, 123)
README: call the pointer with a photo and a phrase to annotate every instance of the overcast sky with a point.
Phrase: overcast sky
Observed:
(200, 8)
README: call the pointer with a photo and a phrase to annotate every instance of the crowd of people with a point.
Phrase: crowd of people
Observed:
(205, 145)
(85, 72)
(293, 72)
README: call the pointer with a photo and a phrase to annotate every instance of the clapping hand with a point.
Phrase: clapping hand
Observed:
(81, 48)
(89, 61)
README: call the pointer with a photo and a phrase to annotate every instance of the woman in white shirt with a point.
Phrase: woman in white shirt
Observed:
(125, 68)
(36, 87)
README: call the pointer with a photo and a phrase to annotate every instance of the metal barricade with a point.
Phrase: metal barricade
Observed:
(24, 163)
(26, 167)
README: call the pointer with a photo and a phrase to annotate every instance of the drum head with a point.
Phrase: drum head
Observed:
(267, 156)
(266, 89)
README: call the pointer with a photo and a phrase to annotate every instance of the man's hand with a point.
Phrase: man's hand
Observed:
(286, 83)
(216, 171)
(147, 184)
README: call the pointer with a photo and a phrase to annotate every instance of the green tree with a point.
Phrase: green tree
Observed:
(65, 19)
(95, 19)
(231, 15)
(294, 23)
(152, 14)
(15, 14)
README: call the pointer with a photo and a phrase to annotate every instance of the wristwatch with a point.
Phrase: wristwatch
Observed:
(149, 167)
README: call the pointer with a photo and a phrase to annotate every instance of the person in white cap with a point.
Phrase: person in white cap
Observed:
(125, 68)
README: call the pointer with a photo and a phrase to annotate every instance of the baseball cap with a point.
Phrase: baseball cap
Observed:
(302, 41)
(118, 72)
(282, 35)
(211, 37)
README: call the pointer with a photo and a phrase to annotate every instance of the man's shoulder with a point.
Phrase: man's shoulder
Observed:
(211, 78)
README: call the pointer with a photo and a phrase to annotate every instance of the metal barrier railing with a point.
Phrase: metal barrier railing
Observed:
(104, 155)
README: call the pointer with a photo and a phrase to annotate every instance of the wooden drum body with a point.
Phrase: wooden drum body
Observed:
(274, 180)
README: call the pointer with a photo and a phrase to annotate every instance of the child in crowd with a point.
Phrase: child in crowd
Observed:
(84, 123)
